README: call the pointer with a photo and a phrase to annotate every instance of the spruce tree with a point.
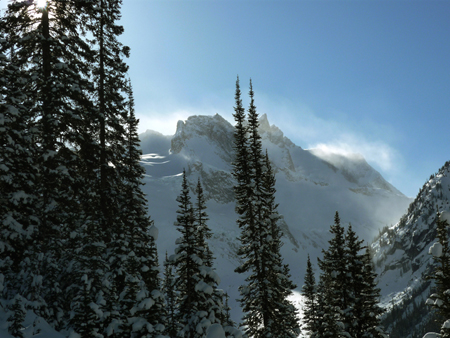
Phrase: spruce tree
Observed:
(187, 263)
(355, 286)
(114, 175)
(17, 316)
(170, 297)
(199, 302)
(440, 299)
(333, 298)
(284, 315)
(371, 310)
(264, 297)
(52, 64)
(347, 296)
(309, 291)
(203, 231)
(18, 169)
(135, 273)
(362, 316)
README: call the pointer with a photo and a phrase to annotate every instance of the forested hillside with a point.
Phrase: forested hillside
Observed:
(78, 244)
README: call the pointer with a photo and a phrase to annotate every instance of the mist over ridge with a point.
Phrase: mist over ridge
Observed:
(310, 189)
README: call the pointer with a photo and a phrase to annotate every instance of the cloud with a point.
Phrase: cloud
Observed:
(375, 152)
(334, 132)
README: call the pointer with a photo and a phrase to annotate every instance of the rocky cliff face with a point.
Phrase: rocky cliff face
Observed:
(402, 259)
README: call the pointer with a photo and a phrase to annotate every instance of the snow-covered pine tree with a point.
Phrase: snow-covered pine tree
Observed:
(284, 314)
(333, 283)
(351, 316)
(361, 318)
(327, 314)
(203, 231)
(105, 165)
(309, 291)
(371, 310)
(18, 169)
(198, 300)
(254, 301)
(187, 263)
(347, 296)
(440, 299)
(16, 317)
(135, 269)
(264, 297)
(171, 328)
(111, 90)
(211, 301)
(54, 61)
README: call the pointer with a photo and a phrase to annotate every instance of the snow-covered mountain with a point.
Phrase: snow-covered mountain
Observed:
(311, 186)
(402, 259)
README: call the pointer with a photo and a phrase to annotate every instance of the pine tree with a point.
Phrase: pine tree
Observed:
(74, 217)
(327, 314)
(440, 300)
(371, 310)
(347, 296)
(203, 231)
(333, 298)
(187, 264)
(112, 182)
(362, 316)
(309, 291)
(135, 269)
(264, 297)
(52, 65)
(16, 318)
(170, 296)
(199, 301)
(18, 169)
(355, 286)
(284, 315)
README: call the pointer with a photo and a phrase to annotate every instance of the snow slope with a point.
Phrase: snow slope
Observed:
(311, 186)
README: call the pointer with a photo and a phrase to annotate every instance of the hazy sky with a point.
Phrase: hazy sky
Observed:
(371, 77)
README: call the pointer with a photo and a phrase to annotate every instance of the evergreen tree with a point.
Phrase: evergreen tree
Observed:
(371, 310)
(16, 318)
(309, 291)
(187, 263)
(76, 239)
(51, 62)
(362, 316)
(18, 169)
(203, 231)
(440, 300)
(199, 302)
(264, 297)
(170, 296)
(284, 316)
(136, 271)
(355, 287)
(347, 296)
(328, 315)
(333, 298)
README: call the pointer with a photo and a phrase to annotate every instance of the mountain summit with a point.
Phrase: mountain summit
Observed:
(311, 186)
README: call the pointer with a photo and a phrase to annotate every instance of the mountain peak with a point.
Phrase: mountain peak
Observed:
(264, 122)
(214, 129)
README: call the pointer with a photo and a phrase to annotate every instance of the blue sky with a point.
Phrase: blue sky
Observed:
(371, 77)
